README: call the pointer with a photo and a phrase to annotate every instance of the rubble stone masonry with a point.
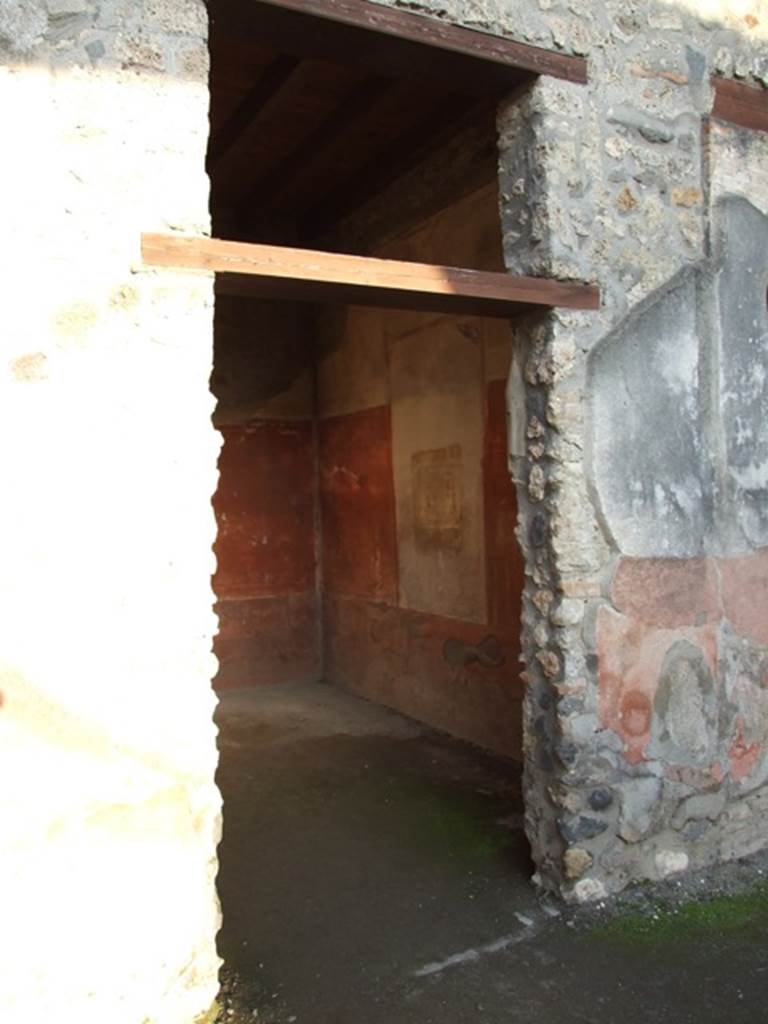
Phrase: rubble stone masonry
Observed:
(641, 456)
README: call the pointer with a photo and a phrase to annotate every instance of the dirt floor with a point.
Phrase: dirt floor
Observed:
(375, 872)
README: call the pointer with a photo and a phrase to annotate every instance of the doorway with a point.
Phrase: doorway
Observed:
(369, 579)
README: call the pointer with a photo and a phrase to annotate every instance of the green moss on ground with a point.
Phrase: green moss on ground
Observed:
(459, 826)
(670, 923)
(463, 832)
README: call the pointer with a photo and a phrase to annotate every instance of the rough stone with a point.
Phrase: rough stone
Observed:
(542, 599)
(686, 196)
(671, 862)
(600, 799)
(649, 128)
(626, 201)
(22, 26)
(700, 805)
(589, 890)
(569, 612)
(577, 861)
(685, 711)
(63, 8)
(583, 827)
(639, 807)
(550, 663)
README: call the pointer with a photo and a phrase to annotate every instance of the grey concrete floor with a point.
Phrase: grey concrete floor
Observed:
(375, 872)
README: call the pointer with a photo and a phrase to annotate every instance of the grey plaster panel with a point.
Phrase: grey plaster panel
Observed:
(679, 405)
(649, 471)
(741, 293)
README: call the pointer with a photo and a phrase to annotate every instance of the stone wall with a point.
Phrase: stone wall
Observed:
(108, 463)
(640, 463)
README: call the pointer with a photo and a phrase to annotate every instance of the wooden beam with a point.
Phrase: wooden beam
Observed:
(466, 163)
(274, 182)
(304, 274)
(440, 35)
(392, 42)
(739, 104)
(253, 103)
(447, 119)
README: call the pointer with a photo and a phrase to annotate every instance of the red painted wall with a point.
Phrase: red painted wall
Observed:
(265, 580)
(440, 670)
(404, 468)
(422, 575)
(357, 497)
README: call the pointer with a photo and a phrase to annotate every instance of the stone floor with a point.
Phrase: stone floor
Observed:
(375, 872)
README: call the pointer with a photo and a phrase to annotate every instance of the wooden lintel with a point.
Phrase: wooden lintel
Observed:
(396, 43)
(442, 35)
(739, 104)
(273, 271)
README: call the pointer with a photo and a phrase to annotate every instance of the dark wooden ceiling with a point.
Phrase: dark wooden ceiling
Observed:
(311, 120)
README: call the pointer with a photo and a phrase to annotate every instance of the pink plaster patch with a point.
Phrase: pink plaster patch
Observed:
(635, 712)
(630, 659)
(667, 592)
(743, 756)
(717, 772)
(745, 594)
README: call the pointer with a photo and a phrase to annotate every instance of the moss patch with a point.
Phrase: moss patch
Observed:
(674, 923)
(448, 824)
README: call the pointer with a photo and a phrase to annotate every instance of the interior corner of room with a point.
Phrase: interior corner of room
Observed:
(366, 515)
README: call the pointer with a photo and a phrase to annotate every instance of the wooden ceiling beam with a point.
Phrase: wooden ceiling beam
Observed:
(465, 164)
(445, 120)
(265, 90)
(269, 186)
(279, 272)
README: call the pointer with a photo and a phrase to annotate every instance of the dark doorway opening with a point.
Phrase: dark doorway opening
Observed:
(369, 580)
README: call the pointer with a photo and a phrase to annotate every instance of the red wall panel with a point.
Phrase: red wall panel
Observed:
(458, 676)
(267, 640)
(265, 510)
(358, 505)
(407, 660)
(266, 578)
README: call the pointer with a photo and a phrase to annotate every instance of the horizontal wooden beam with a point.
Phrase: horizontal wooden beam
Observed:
(417, 28)
(273, 271)
(392, 43)
(742, 105)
